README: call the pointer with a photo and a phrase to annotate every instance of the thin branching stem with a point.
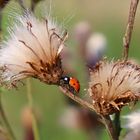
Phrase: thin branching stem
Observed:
(129, 28)
(77, 99)
(5, 122)
(126, 43)
(0, 19)
(30, 102)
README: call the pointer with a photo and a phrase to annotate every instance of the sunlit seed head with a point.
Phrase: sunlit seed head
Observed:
(95, 48)
(32, 50)
(113, 85)
(82, 32)
(96, 44)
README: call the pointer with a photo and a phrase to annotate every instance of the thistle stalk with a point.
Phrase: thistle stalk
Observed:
(117, 124)
(129, 27)
(126, 44)
(4, 120)
(30, 102)
(109, 127)
(77, 99)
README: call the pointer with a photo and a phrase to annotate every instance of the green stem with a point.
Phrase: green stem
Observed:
(117, 124)
(4, 119)
(109, 127)
(30, 101)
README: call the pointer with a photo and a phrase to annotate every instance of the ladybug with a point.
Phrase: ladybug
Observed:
(71, 83)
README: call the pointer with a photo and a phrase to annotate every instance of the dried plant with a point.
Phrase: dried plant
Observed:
(113, 85)
(33, 50)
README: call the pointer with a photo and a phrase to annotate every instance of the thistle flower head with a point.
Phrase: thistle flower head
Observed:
(33, 50)
(113, 85)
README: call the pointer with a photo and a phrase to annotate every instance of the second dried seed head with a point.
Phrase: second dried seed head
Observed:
(113, 85)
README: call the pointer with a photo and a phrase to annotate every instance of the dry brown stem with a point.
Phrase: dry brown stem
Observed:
(126, 44)
(129, 28)
(77, 99)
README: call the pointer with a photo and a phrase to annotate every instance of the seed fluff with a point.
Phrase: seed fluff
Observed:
(32, 50)
(113, 85)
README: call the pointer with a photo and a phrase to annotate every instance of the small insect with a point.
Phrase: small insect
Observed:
(71, 83)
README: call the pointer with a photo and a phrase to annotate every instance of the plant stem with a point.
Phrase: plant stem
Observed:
(105, 119)
(117, 124)
(77, 99)
(0, 18)
(30, 101)
(109, 127)
(129, 28)
(5, 122)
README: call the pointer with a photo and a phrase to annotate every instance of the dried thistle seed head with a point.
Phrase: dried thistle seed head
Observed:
(33, 50)
(113, 85)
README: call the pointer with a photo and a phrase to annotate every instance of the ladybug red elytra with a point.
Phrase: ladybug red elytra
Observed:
(71, 83)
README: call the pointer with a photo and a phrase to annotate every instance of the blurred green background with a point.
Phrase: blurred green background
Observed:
(106, 16)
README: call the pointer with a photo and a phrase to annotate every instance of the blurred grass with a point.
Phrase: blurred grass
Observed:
(108, 17)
